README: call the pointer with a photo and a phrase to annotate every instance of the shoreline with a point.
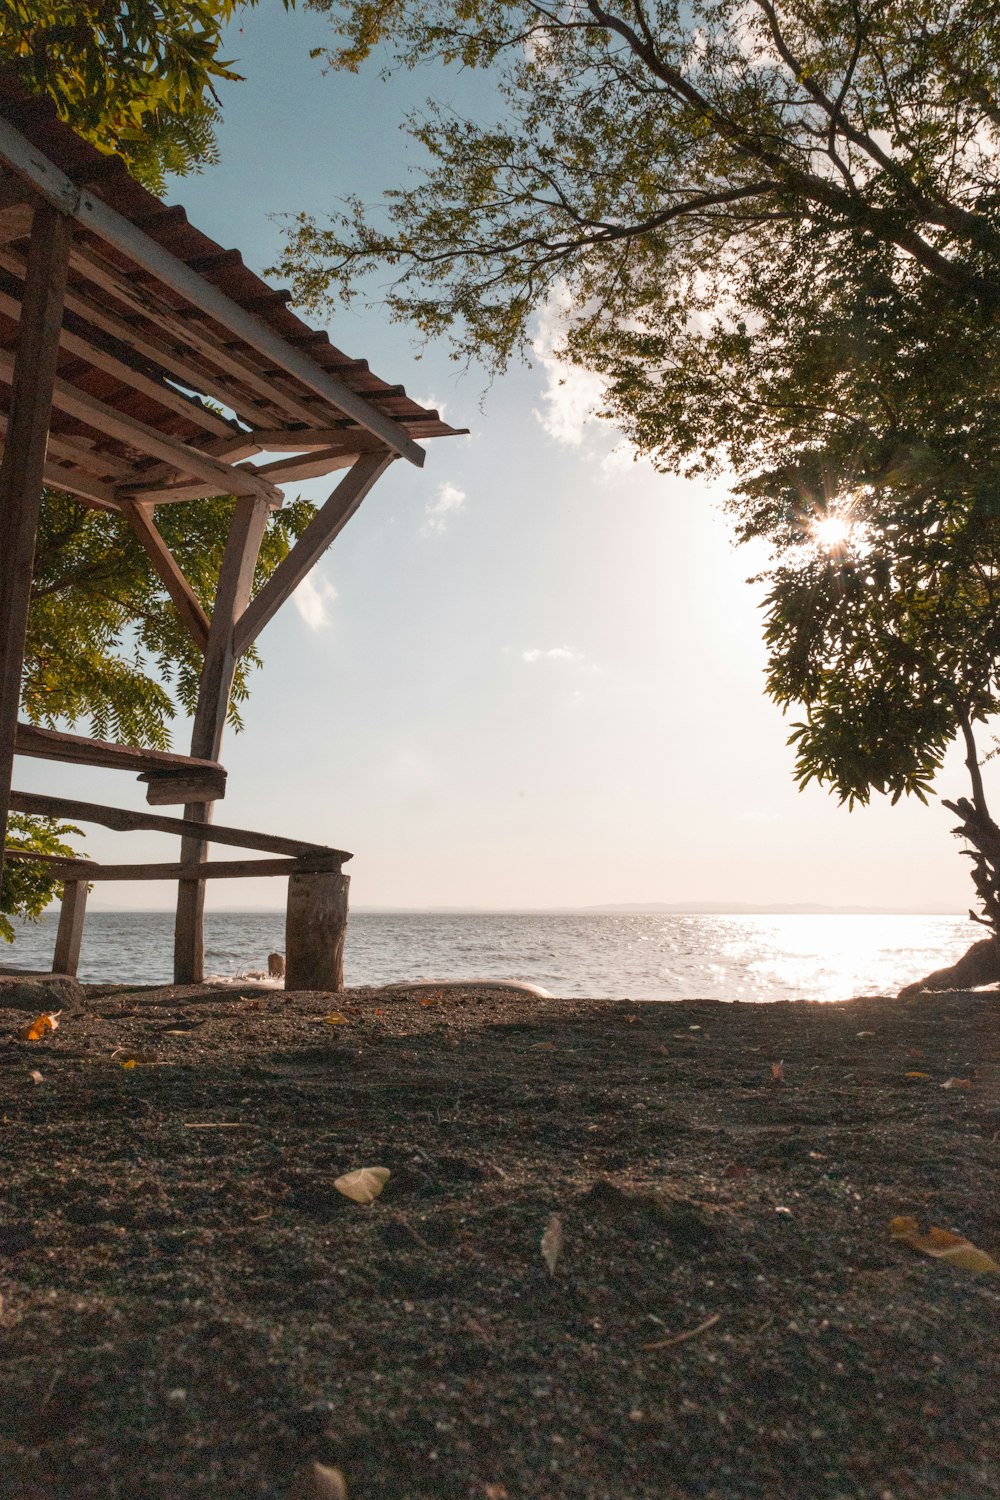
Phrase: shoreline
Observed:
(192, 1311)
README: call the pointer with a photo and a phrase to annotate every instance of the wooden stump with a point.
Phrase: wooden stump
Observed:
(315, 929)
(70, 933)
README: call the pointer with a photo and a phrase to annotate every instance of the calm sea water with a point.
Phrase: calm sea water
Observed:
(641, 956)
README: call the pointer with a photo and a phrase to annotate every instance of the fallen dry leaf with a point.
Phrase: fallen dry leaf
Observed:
(916, 1075)
(943, 1245)
(863, 1034)
(778, 1072)
(495, 1492)
(336, 1019)
(318, 1482)
(130, 1062)
(48, 1021)
(364, 1185)
(35, 1076)
(957, 1083)
(552, 1243)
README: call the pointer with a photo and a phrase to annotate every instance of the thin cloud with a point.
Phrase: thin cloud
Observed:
(554, 653)
(438, 512)
(572, 395)
(313, 598)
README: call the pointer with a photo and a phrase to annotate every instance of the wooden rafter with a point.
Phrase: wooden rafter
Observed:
(185, 600)
(309, 548)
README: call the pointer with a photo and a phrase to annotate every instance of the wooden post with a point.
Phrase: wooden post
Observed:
(32, 382)
(315, 929)
(70, 934)
(246, 531)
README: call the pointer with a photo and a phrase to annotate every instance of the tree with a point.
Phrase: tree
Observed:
(774, 227)
(136, 79)
(648, 158)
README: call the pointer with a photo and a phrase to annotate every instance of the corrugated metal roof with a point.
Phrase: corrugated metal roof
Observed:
(133, 346)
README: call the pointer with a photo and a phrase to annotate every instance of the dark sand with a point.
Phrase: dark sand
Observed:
(197, 1313)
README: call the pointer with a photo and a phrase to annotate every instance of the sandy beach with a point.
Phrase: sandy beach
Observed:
(190, 1309)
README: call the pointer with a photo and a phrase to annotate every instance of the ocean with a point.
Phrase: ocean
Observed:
(634, 955)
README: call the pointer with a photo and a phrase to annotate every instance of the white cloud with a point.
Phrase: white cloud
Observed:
(433, 404)
(554, 653)
(312, 599)
(571, 395)
(438, 511)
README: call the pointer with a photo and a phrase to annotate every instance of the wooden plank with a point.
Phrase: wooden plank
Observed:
(176, 788)
(185, 600)
(195, 873)
(232, 363)
(97, 217)
(124, 820)
(70, 933)
(246, 531)
(315, 930)
(153, 348)
(54, 744)
(325, 525)
(22, 472)
(308, 465)
(97, 495)
(165, 395)
(186, 460)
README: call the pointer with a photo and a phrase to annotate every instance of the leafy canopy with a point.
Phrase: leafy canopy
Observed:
(137, 79)
(648, 159)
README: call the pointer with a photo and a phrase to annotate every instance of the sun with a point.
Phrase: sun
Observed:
(832, 532)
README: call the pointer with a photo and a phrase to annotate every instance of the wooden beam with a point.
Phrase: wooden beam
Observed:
(98, 218)
(239, 561)
(165, 395)
(308, 465)
(69, 936)
(218, 869)
(114, 423)
(54, 744)
(153, 347)
(325, 525)
(22, 472)
(97, 495)
(233, 363)
(185, 600)
(125, 821)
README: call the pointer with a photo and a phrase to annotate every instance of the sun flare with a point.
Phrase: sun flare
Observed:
(832, 532)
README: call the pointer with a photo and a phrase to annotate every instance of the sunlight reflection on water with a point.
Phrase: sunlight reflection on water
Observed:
(644, 956)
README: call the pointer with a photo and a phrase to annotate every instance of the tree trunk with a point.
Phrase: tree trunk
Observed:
(980, 965)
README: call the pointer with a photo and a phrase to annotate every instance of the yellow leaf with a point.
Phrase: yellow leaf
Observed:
(335, 1019)
(129, 1063)
(916, 1075)
(318, 1482)
(943, 1245)
(48, 1021)
(364, 1185)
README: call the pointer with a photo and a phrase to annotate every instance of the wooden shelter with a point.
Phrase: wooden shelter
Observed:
(141, 364)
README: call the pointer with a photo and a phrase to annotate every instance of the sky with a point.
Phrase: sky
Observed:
(530, 674)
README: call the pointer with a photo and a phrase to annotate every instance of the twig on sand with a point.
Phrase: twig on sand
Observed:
(691, 1333)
